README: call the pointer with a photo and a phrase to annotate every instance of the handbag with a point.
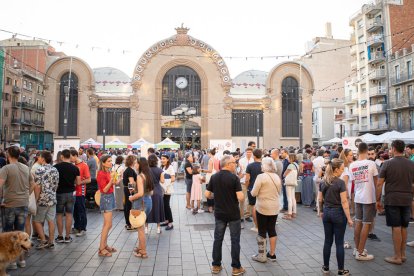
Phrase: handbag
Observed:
(32, 204)
(292, 178)
(98, 198)
(137, 218)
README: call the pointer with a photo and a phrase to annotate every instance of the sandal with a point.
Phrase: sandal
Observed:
(287, 217)
(141, 254)
(111, 249)
(102, 253)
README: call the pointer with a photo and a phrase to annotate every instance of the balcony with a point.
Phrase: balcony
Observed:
(364, 127)
(374, 25)
(364, 112)
(28, 106)
(376, 57)
(376, 74)
(39, 123)
(351, 116)
(339, 117)
(378, 91)
(372, 8)
(402, 78)
(26, 122)
(403, 103)
(16, 89)
(375, 40)
(40, 108)
(351, 98)
(378, 108)
(379, 125)
(15, 121)
(16, 104)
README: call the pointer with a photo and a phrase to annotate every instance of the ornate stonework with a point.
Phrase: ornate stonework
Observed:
(181, 39)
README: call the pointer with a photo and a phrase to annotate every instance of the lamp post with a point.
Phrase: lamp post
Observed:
(194, 135)
(5, 136)
(183, 113)
(104, 128)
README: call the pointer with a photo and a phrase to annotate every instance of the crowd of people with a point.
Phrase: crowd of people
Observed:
(255, 186)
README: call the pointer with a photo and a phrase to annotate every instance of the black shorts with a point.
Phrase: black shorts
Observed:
(252, 199)
(397, 216)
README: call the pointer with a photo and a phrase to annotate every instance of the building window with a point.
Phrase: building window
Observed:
(181, 85)
(244, 122)
(37, 103)
(399, 120)
(72, 128)
(397, 73)
(409, 69)
(118, 121)
(410, 94)
(398, 95)
(15, 83)
(25, 84)
(6, 113)
(30, 86)
(8, 81)
(360, 24)
(290, 107)
(412, 119)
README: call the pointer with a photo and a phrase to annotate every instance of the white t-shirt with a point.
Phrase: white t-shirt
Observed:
(363, 172)
(318, 164)
(243, 162)
(168, 186)
(349, 184)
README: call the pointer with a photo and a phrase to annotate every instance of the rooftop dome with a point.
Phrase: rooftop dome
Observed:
(110, 80)
(252, 82)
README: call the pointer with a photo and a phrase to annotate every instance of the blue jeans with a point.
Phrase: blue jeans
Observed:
(79, 213)
(14, 219)
(219, 232)
(334, 224)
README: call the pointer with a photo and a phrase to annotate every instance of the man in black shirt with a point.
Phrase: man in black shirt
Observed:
(252, 171)
(69, 176)
(225, 186)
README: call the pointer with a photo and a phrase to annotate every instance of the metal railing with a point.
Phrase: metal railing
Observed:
(376, 57)
(403, 77)
(377, 91)
(378, 108)
(377, 74)
(375, 39)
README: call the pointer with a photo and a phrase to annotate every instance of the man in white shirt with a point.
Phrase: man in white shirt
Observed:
(318, 164)
(364, 174)
(243, 162)
(279, 165)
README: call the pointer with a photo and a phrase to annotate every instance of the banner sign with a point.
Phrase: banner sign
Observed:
(61, 144)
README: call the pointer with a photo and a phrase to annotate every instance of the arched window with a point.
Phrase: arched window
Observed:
(290, 107)
(181, 85)
(73, 104)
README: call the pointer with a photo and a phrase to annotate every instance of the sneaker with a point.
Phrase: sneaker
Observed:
(373, 237)
(216, 269)
(325, 270)
(60, 239)
(81, 233)
(248, 219)
(354, 253)
(343, 272)
(270, 257)
(410, 244)
(50, 245)
(200, 211)
(21, 264)
(254, 229)
(46, 238)
(169, 227)
(411, 220)
(364, 257)
(41, 245)
(238, 271)
(74, 231)
(68, 239)
(12, 266)
(259, 259)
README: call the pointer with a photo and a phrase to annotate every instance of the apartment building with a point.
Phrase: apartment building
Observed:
(23, 107)
(380, 29)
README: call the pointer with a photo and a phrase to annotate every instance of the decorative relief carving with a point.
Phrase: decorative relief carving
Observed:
(93, 101)
(181, 39)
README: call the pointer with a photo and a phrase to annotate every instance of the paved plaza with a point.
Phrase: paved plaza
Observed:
(186, 250)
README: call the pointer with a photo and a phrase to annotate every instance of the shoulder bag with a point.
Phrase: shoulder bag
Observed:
(292, 178)
(137, 218)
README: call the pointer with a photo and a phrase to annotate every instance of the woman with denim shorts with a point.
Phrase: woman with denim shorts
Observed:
(333, 197)
(106, 186)
(141, 200)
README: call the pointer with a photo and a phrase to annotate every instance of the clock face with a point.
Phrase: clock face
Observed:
(181, 82)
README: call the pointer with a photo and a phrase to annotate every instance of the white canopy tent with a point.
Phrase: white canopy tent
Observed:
(140, 142)
(389, 136)
(371, 138)
(167, 143)
(91, 143)
(335, 140)
(116, 144)
(408, 136)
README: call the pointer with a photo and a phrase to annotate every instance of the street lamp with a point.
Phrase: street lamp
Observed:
(183, 113)
(168, 134)
(194, 135)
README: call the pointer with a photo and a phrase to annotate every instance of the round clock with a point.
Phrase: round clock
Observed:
(181, 82)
